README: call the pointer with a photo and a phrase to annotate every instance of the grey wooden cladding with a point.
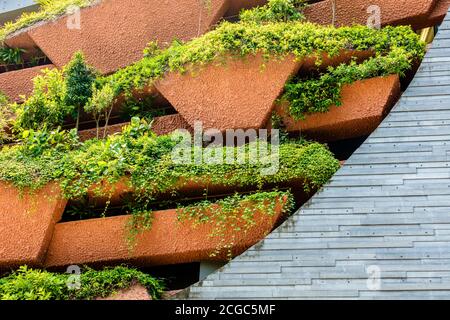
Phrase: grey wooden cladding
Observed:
(388, 208)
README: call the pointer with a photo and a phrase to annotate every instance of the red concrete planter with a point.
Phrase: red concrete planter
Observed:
(364, 105)
(26, 224)
(161, 125)
(237, 95)
(169, 241)
(348, 12)
(104, 192)
(114, 33)
(20, 82)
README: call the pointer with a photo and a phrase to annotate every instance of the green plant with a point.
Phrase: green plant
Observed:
(33, 284)
(11, 56)
(79, 79)
(100, 105)
(5, 118)
(275, 11)
(234, 215)
(317, 94)
(46, 105)
(148, 160)
(35, 143)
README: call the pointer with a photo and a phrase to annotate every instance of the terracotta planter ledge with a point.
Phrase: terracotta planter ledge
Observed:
(169, 241)
(349, 12)
(20, 82)
(26, 224)
(112, 43)
(161, 125)
(364, 105)
(102, 192)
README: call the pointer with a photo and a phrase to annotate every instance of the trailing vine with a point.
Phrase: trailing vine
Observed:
(235, 215)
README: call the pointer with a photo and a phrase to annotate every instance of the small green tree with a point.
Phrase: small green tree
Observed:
(101, 105)
(79, 78)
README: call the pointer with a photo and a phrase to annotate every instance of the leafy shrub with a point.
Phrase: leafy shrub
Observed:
(11, 55)
(275, 11)
(46, 105)
(235, 214)
(147, 159)
(33, 284)
(35, 143)
(272, 39)
(79, 79)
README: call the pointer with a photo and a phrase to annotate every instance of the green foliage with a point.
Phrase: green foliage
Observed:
(11, 55)
(275, 11)
(100, 105)
(46, 106)
(235, 215)
(318, 94)
(79, 78)
(5, 115)
(33, 284)
(49, 10)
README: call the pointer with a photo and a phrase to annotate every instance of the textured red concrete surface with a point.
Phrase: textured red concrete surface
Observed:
(393, 12)
(169, 241)
(161, 125)
(26, 224)
(364, 104)
(135, 292)
(437, 15)
(167, 124)
(238, 94)
(114, 33)
(19, 82)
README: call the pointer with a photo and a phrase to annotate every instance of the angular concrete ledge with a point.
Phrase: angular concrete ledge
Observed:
(169, 241)
(348, 12)
(364, 105)
(237, 94)
(26, 224)
(20, 82)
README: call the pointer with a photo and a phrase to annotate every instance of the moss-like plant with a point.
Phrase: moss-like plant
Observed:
(275, 11)
(34, 284)
(235, 215)
(318, 94)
